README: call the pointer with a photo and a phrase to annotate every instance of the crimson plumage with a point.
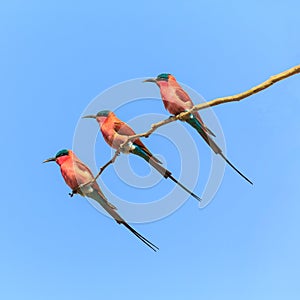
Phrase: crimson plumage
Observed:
(80, 179)
(115, 132)
(176, 101)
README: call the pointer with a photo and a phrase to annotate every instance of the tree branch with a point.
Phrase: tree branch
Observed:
(273, 79)
(182, 116)
(117, 153)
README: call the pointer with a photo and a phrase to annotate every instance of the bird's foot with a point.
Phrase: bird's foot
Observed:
(75, 191)
(183, 118)
(72, 194)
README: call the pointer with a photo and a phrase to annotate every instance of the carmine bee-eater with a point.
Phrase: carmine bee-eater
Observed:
(176, 101)
(77, 176)
(116, 132)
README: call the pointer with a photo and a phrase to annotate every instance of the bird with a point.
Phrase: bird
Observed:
(176, 100)
(81, 180)
(115, 132)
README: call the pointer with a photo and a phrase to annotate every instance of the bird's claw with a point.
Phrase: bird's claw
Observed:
(183, 118)
(75, 191)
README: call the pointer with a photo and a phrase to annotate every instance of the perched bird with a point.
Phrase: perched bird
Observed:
(80, 179)
(116, 132)
(176, 101)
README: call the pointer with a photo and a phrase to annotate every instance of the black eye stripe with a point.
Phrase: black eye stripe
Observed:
(162, 79)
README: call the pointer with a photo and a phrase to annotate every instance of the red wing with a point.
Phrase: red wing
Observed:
(82, 169)
(183, 96)
(122, 128)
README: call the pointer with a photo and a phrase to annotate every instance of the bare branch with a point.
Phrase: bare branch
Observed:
(273, 79)
(182, 116)
(117, 153)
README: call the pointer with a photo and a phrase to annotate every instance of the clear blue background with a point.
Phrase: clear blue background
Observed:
(56, 57)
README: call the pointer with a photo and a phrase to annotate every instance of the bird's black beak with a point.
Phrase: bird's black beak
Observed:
(89, 117)
(49, 159)
(150, 80)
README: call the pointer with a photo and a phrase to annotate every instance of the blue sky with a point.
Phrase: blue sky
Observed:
(57, 57)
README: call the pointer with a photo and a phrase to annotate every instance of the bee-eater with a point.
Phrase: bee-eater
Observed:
(76, 175)
(116, 132)
(176, 101)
